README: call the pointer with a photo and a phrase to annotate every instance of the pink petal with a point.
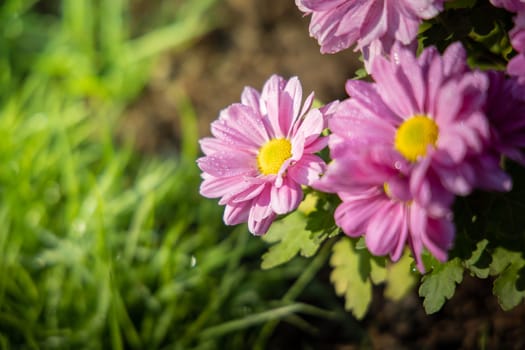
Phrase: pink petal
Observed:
(289, 114)
(270, 99)
(307, 170)
(394, 88)
(286, 198)
(353, 215)
(386, 228)
(311, 126)
(438, 237)
(250, 97)
(228, 164)
(236, 213)
(213, 187)
(240, 125)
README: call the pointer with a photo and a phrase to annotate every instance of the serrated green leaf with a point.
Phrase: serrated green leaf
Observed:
(320, 219)
(505, 286)
(378, 271)
(479, 261)
(347, 279)
(440, 284)
(400, 279)
(501, 258)
(292, 238)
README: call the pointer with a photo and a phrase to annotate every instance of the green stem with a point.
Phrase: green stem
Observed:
(295, 290)
(265, 316)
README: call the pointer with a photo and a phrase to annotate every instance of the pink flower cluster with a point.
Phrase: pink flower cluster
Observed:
(403, 147)
(427, 129)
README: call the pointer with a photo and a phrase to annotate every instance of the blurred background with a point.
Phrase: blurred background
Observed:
(105, 242)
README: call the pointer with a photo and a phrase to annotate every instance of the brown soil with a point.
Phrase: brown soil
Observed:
(259, 38)
(256, 38)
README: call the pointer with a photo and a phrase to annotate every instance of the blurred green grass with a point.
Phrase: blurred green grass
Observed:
(100, 246)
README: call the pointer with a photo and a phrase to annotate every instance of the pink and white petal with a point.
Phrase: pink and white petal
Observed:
(353, 216)
(236, 213)
(261, 227)
(417, 228)
(399, 247)
(414, 76)
(228, 164)
(434, 77)
(270, 99)
(428, 191)
(311, 127)
(307, 170)
(211, 145)
(214, 187)
(316, 146)
(386, 228)
(454, 60)
(459, 179)
(453, 145)
(261, 207)
(248, 122)
(369, 99)
(351, 18)
(241, 126)
(439, 237)
(287, 197)
(298, 143)
(375, 23)
(353, 120)
(394, 88)
(250, 97)
(245, 195)
(307, 104)
(407, 28)
(261, 215)
(293, 89)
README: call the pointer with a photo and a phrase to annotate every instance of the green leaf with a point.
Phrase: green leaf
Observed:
(440, 284)
(348, 278)
(507, 265)
(479, 261)
(378, 272)
(292, 238)
(400, 279)
(319, 209)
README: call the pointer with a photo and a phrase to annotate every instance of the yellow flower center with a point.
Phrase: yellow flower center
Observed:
(272, 155)
(414, 136)
(386, 189)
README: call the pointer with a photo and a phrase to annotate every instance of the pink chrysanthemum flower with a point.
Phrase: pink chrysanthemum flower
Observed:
(428, 112)
(505, 110)
(261, 152)
(339, 24)
(376, 202)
